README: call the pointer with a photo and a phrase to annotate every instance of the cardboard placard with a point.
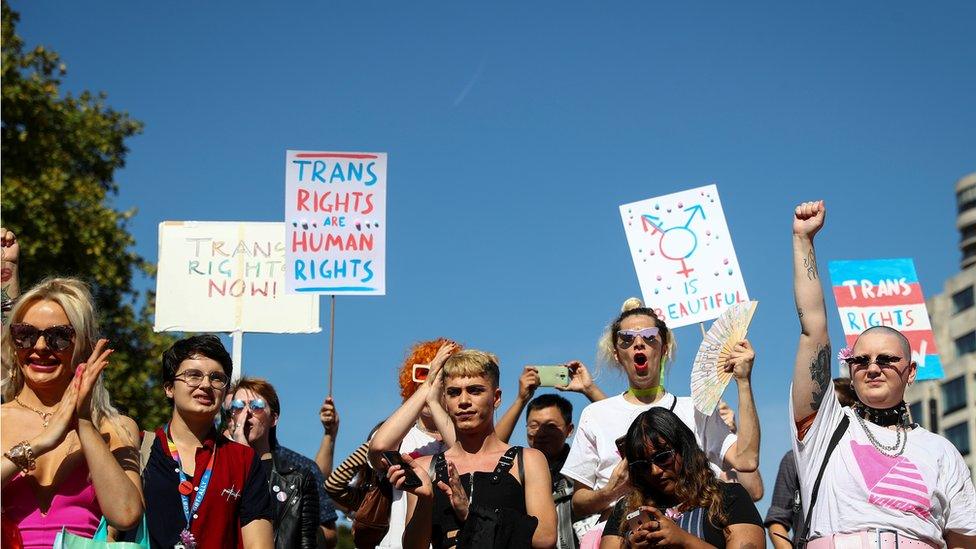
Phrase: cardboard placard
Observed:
(226, 277)
(886, 292)
(683, 254)
(335, 216)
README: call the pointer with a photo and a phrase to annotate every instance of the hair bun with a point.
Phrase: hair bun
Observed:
(631, 303)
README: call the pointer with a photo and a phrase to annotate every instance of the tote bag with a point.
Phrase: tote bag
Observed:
(67, 540)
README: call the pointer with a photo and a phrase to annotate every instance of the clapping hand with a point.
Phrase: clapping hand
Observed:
(455, 493)
(89, 372)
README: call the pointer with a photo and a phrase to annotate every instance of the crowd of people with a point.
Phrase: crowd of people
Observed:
(643, 468)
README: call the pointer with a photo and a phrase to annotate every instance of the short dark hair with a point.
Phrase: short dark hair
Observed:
(206, 345)
(549, 399)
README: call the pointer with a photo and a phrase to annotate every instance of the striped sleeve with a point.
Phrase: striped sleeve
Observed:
(338, 483)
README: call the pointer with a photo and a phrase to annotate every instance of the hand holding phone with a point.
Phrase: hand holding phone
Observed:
(636, 518)
(552, 376)
(411, 479)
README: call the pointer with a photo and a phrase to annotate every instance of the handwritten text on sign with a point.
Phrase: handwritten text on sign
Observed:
(335, 216)
(886, 292)
(226, 276)
(683, 254)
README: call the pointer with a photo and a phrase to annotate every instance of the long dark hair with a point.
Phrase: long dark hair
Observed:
(696, 486)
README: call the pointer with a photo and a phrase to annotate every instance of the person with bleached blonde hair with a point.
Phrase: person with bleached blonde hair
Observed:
(639, 343)
(69, 457)
(481, 492)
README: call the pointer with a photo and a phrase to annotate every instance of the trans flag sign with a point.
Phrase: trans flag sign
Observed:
(886, 292)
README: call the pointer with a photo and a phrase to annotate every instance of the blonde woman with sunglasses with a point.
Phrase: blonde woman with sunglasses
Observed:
(69, 457)
(640, 344)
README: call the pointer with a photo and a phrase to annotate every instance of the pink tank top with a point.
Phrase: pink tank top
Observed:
(74, 507)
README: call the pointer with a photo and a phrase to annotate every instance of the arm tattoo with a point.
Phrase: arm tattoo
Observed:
(820, 375)
(810, 263)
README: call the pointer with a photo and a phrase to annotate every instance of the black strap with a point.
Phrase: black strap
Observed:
(508, 458)
(673, 403)
(521, 464)
(834, 439)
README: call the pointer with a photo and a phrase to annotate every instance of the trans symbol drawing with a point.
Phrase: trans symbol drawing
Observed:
(683, 255)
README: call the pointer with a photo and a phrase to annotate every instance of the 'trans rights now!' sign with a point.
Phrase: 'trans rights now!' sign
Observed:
(335, 218)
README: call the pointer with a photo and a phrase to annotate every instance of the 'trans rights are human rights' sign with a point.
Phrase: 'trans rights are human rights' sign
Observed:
(335, 218)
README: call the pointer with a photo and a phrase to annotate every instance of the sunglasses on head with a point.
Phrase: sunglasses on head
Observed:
(882, 360)
(257, 405)
(626, 338)
(56, 338)
(420, 372)
(661, 459)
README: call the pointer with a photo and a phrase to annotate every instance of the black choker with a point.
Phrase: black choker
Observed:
(884, 417)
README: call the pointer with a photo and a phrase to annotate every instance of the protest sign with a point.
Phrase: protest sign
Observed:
(335, 217)
(886, 292)
(683, 254)
(227, 277)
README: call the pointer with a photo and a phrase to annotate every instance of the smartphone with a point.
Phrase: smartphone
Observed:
(420, 372)
(636, 518)
(550, 376)
(394, 458)
(621, 446)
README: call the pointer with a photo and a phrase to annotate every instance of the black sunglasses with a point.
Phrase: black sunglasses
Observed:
(56, 338)
(661, 459)
(883, 361)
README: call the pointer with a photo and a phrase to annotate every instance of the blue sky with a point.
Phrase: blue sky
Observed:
(514, 131)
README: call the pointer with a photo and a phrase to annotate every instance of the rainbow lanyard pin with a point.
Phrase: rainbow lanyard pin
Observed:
(186, 487)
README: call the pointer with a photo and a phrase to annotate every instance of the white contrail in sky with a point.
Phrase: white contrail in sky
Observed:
(467, 88)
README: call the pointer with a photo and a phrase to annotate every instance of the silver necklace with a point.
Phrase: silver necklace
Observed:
(896, 449)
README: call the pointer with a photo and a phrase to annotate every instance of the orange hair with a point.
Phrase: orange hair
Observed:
(421, 353)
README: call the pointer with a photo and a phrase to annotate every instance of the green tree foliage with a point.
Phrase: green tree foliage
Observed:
(345, 537)
(60, 154)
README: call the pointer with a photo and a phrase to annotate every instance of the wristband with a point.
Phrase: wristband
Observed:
(22, 455)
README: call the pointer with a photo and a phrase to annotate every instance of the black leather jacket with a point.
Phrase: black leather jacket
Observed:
(296, 513)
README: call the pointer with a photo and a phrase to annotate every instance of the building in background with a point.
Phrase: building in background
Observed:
(948, 406)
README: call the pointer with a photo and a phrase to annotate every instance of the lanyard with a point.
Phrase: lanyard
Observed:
(185, 484)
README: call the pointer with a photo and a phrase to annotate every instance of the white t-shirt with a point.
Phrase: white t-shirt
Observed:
(921, 494)
(416, 443)
(593, 454)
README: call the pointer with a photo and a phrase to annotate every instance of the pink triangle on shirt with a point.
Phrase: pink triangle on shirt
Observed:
(892, 482)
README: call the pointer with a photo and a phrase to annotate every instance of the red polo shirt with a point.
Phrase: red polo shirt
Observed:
(237, 494)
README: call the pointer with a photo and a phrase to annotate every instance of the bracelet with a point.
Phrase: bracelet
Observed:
(22, 455)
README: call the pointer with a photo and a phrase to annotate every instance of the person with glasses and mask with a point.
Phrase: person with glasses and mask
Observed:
(879, 479)
(202, 489)
(253, 419)
(69, 457)
(639, 343)
(675, 499)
